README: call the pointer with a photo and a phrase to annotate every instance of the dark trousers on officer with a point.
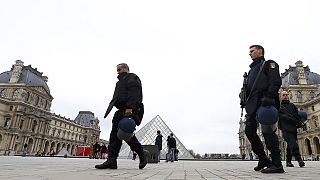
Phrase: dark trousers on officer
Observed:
(115, 143)
(292, 145)
(271, 141)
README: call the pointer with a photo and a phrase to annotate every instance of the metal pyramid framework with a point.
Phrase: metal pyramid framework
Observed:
(147, 135)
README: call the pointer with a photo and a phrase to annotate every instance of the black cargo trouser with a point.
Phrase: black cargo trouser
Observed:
(115, 143)
(271, 140)
(292, 145)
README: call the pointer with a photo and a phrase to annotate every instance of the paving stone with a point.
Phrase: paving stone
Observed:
(52, 168)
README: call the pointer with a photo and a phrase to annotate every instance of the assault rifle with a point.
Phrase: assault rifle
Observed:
(295, 118)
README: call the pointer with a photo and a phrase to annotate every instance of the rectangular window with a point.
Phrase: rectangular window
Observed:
(7, 122)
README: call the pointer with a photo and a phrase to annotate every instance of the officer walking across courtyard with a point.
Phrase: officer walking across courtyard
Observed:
(288, 127)
(262, 85)
(127, 98)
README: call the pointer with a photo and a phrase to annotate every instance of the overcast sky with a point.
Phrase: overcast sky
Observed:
(190, 55)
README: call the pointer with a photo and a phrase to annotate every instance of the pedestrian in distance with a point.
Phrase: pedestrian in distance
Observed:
(103, 151)
(287, 124)
(172, 147)
(24, 150)
(127, 98)
(260, 98)
(158, 143)
(96, 150)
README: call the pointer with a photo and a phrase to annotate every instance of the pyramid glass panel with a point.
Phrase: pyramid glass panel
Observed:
(147, 135)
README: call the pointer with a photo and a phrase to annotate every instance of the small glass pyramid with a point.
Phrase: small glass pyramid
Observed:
(147, 136)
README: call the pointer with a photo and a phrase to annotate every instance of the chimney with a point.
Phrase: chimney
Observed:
(301, 74)
(16, 71)
(45, 78)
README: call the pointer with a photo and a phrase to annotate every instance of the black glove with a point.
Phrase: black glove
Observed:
(267, 101)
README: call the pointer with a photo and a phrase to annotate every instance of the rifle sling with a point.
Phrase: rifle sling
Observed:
(255, 81)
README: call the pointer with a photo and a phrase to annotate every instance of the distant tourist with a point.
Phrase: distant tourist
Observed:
(103, 151)
(24, 150)
(96, 150)
(172, 147)
(158, 142)
(51, 152)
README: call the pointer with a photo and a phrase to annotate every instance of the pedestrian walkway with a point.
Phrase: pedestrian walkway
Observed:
(54, 168)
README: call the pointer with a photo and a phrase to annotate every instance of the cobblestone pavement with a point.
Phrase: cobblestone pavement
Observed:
(47, 168)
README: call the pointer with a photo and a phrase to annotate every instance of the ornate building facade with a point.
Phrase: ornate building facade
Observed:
(25, 116)
(304, 88)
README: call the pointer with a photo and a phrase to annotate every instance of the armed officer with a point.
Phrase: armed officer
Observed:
(288, 127)
(263, 92)
(127, 98)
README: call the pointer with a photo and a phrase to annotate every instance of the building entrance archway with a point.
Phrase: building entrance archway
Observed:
(46, 147)
(308, 145)
(317, 145)
(30, 144)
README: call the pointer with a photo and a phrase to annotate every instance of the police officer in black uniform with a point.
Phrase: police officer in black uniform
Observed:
(127, 98)
(264, 93)
(289, 129)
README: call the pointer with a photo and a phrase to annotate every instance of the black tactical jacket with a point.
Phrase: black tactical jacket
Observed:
(285, 122)
(267, 85)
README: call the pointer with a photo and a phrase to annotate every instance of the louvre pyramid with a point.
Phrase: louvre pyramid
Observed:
(147, 135)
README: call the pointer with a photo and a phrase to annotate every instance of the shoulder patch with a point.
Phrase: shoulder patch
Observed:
(272, 65)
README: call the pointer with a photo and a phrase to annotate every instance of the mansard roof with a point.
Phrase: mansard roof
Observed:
(29, 76)
(290, 76)
(84, 118)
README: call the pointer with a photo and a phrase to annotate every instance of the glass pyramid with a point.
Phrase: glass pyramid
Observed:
(147, 135)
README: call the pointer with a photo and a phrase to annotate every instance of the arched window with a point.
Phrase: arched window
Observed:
(21, 123)
(7, 122)
(34, 125)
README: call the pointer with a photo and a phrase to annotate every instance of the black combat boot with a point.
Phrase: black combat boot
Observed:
(288, 161)
(276, 167)
(110, 163)
(300, 161)
(289, 164)
(144, 159)
(263, 162)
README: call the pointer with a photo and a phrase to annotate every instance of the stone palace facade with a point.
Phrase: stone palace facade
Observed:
(25, 116)
(303, 86)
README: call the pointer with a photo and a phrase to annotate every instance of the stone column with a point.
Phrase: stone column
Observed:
(28, 125)
(11, 146)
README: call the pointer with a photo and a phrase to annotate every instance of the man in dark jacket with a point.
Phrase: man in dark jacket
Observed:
(289, 129)
(264, 93)
(127, 98)
(172, 147)
(159, 143)
(96, 150)
(103, 151)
